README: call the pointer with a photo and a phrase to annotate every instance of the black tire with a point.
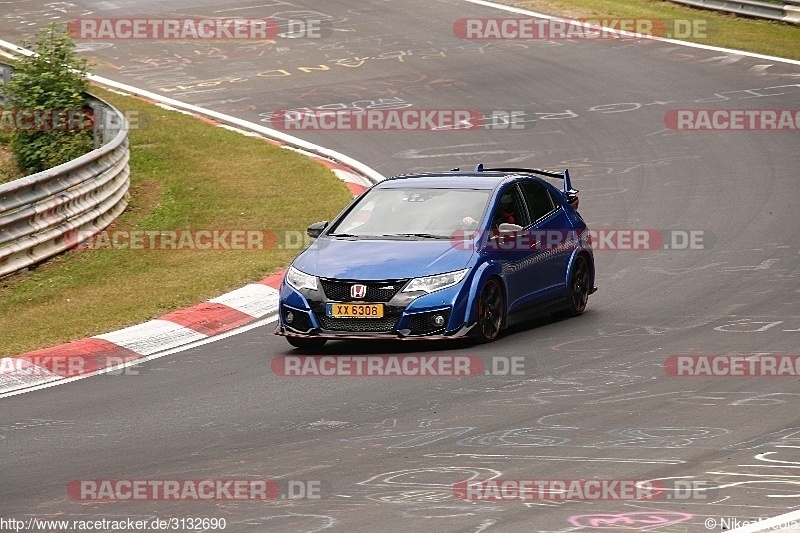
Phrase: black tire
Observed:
(578, 290)
(306, 344)
(490, 313)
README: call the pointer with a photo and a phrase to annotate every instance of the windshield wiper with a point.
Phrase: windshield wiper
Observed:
(421, 235)
(345, 235)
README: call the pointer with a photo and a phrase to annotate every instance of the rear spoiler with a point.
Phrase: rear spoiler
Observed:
(568, 190)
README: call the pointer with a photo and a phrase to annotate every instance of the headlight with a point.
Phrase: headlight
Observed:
(300, 280)
(435, 283)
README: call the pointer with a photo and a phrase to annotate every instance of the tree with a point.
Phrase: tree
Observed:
(50, 82)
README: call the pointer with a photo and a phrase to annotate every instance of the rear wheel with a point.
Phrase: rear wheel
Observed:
(306, 344)
(578, 290)
(490, 312)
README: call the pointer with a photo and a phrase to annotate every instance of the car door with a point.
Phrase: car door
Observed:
(514, 252)
(548, 233)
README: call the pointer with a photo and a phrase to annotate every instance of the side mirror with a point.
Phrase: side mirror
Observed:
(573, 200)
(316, 228)
(509, 230)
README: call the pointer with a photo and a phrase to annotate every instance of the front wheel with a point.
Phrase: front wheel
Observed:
(578, 290)
(305, 343)
(490, 312)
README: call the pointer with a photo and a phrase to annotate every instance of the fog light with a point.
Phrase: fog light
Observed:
(437, 320)
(289, 317)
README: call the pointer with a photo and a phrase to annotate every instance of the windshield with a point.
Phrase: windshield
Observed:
(414, 213)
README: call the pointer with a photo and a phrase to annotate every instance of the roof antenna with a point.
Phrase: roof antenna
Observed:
(479, 168)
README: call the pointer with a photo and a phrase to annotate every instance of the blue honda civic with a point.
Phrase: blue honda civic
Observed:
(440, 256)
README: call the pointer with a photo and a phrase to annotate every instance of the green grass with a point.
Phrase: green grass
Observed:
(185, 174)
(727, 30)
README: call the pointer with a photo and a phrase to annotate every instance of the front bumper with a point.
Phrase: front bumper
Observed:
(332, 335)
(407, 316)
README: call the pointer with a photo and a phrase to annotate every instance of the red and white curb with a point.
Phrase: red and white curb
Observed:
(180, 328)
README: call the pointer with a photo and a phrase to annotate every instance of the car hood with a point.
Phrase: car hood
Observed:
(369, 259)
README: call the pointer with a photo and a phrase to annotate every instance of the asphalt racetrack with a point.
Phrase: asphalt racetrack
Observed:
(593, 398)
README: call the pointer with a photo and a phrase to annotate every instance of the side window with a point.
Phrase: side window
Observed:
(554, 199)
(538, 200)
(510, 209)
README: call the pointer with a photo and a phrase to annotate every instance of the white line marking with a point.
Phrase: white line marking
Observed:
(521, 11)
(771, 523)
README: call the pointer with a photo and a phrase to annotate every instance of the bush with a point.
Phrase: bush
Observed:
(54, 79)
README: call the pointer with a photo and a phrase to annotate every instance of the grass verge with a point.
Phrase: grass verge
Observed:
(185, 175)
(725, 30)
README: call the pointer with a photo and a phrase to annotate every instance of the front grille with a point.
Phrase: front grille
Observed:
(420, 323)
(377, 291)
(358, 325)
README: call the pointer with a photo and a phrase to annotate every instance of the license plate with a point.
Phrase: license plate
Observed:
(338, 310)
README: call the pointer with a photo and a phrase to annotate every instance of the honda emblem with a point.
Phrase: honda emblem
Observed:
(358, 291)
